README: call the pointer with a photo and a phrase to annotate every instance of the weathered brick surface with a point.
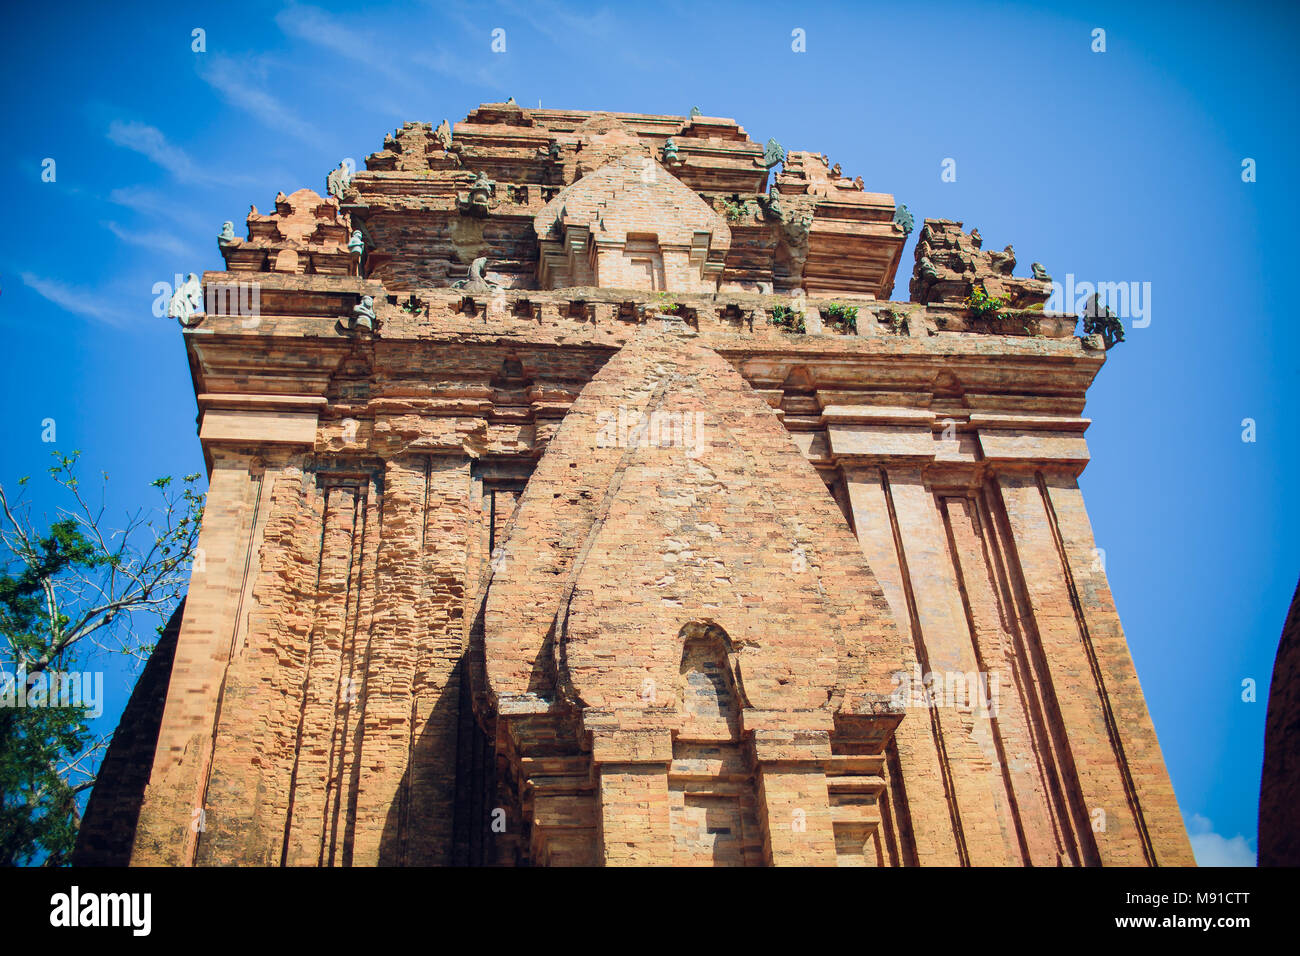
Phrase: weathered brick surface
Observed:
(1279, 789)
(455, 606)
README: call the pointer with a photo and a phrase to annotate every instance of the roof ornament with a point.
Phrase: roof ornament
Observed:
(338, 181)
(773, 153)
(1100, 320)
(186, 302)
(903, 219)
(443, 135)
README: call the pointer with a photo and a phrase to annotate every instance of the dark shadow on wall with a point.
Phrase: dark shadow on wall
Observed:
(107, 830)
(417, 831)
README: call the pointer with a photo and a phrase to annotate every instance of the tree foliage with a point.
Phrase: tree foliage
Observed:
(70, 596)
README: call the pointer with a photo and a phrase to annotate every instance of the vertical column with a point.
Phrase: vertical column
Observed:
(1105, 799)
(793, 800)
(635, 824)
(1157, 808)
(330, 690)
(967, 737)
(949, 779)
(996, 650)
(922, 780)
(257, 719)
(401, 801)
(169, 822)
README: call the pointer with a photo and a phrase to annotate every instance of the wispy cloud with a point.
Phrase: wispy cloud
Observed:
(242, 85)
(73, 299)
(459, 69)
(320, 28)
(152, 203)
(1211, 849)
(163, 242)
(323, 30)
(151, 142)
(561, 24)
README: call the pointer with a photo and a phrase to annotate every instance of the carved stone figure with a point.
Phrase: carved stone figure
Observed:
(362, 317)
(338, 181)
(510, 101)
(480, 194)
(187, 301)
(857, 181)
(1099, 320)
(1005, 261)
(928, 270)
(695, 111)
(1040, 272)
(773, 153)
(670, 151)
(772, 204)
(227, 235)
(553, 151)
(835, 171)
(482, 188)
(443, 135)
(903, 219)
(477, 280)
(976, 239)
(356, 244)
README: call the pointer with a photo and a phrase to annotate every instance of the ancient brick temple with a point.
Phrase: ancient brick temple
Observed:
(579, 496)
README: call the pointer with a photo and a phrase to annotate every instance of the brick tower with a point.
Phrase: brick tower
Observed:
(579, 496)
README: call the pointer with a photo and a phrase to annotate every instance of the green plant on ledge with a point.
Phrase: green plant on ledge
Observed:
(666, 304)
(985, 306)
(733, 209)
(788, 319)
(897, 321)
(841, 317)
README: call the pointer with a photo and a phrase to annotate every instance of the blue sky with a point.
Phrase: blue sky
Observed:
(1122, 165)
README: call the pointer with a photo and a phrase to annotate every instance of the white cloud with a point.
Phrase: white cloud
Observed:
(75, 300)
(319, 28)
(151, 203)
(151, 142)
(560, 24)
(163, 242)
(242, 87)
(1211, 849)
(459, 69)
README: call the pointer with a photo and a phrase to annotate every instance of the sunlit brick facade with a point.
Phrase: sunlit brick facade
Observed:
(581, 552)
